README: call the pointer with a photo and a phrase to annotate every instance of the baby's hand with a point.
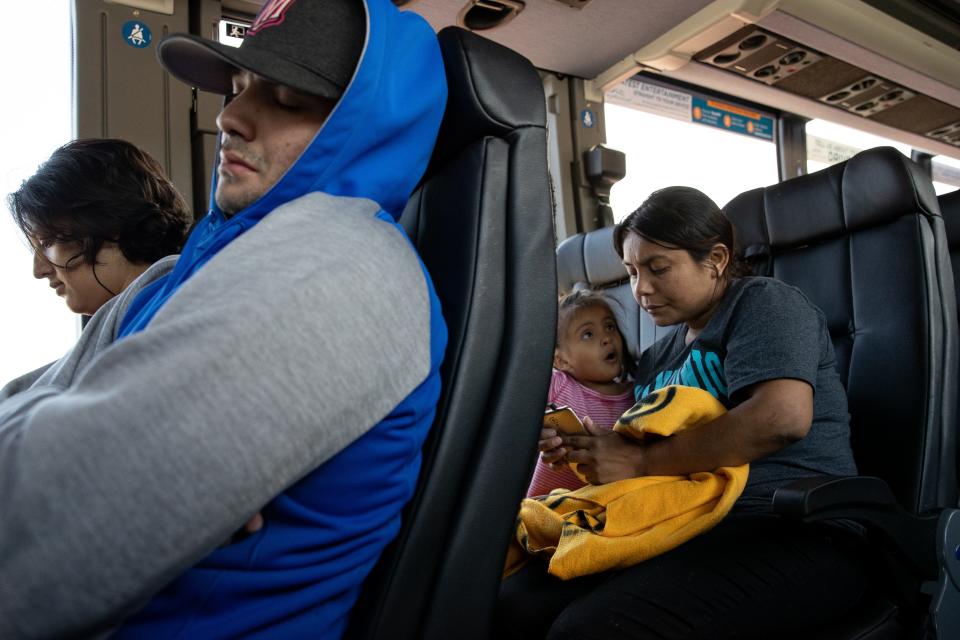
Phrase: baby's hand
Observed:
(551, 451)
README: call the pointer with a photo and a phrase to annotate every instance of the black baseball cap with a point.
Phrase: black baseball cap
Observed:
(309, 45)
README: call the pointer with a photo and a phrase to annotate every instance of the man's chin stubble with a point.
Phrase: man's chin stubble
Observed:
(232, 204)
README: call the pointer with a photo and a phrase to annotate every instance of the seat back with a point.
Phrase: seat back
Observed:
(482, 221)
(590, 260)
(950, 210)
(864, 240)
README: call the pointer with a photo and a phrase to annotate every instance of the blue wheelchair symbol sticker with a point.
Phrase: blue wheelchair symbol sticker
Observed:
(136, 34)
(587, 118)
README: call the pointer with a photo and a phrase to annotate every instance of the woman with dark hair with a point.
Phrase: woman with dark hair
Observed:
(101, 217)
(762, 349)
(97, 214)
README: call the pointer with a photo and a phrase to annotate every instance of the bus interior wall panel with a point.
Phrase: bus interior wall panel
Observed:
(121, 91)
(588, 126)
(559, 149)
(205, 146)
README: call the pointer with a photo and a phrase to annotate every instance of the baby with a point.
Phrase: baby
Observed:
(589, 376)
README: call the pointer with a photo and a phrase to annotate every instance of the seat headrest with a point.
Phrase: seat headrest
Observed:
(873, 187)
(950, 210)
(806, 209)
(882, 184)
(745, 213)
(492, 90)
(570, 267)
(589, 259)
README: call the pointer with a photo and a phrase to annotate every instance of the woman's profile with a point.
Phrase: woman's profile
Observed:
(98, 214)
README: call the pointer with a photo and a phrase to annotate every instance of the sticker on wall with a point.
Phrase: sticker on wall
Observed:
(732, 118)
(137, 34)
(587, 118)
(651, 98)
(235, 29)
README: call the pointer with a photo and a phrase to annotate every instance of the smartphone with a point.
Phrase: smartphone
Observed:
(564, 420)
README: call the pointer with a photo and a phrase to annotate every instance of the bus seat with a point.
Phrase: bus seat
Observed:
(590, 260)
(864, 240)
(950, 210)
(482, 221)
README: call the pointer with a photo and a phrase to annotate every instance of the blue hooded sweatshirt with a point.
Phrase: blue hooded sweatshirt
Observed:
(301, 574)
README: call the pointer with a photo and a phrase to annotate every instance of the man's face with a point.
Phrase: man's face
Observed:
(265, 128)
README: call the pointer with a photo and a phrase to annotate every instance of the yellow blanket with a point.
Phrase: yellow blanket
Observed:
(616, 525)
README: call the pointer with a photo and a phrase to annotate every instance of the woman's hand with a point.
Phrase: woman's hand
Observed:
(604, 456)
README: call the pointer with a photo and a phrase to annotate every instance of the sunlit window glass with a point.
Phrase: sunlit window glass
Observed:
(35, 118)
(946, 174)
(672, 137)
(829, 143)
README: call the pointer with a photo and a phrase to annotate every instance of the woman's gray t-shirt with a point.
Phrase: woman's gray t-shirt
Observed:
(762, 330)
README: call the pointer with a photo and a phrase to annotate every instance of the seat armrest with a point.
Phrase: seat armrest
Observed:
(809, 496)
(869, 502)
(945, 604)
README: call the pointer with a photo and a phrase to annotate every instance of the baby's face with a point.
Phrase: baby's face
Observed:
(590, 348)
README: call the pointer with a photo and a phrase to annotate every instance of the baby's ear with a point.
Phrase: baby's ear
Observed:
(558, 361)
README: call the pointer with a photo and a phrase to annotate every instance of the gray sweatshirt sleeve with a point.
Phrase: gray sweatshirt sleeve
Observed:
(24, 382)
(292, 342)
(100, 332)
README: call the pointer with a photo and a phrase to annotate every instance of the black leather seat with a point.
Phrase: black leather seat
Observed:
(865, 241)
(483, 223)
(950, 210)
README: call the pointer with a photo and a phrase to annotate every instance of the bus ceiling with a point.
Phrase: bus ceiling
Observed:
(907, 48)
(839, 60)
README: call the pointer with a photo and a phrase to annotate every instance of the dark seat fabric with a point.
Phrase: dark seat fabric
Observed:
(864, 240)
(590, 260)
(482, 222)
(950, 210)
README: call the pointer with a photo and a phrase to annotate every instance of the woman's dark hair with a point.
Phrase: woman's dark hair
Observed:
(103, 190)
(682, 218)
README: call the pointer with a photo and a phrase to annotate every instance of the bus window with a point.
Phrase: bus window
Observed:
(829, 143)
(35, 118)
(946, 174)
(676, 137)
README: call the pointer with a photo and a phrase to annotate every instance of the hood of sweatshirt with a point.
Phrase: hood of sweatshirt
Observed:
(375, 144)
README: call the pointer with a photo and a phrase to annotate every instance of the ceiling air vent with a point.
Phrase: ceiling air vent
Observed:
(867, 96)
(760, 55)
(576, 4)
(480, 15)
(949, 133)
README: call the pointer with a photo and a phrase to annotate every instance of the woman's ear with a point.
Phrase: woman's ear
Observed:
(719, 257)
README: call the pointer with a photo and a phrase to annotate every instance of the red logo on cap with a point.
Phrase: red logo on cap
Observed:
(270, 15)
